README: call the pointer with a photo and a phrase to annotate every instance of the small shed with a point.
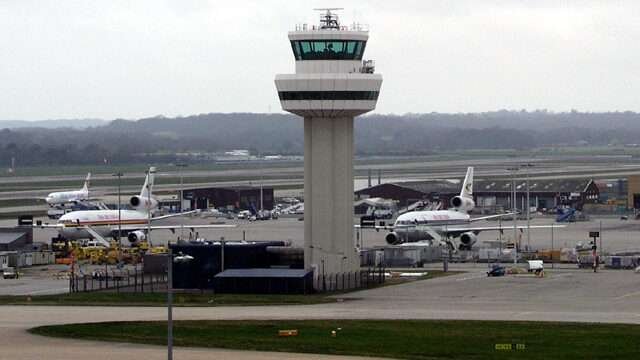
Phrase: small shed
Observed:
(20, 259)
(264, 281)
(13, 240)
(42, 257)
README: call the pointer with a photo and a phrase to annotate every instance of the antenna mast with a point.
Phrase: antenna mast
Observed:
(329, 20)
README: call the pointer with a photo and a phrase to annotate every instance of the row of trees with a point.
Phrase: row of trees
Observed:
(122, 141)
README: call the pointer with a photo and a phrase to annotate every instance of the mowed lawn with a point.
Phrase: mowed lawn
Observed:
(160, 299)
(406, 339)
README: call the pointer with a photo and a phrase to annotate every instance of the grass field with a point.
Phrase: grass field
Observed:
(410, 339)
(160, 299)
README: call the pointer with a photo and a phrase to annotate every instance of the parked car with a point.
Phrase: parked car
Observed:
(496, 270)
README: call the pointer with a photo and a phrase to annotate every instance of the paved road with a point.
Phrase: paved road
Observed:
(582, 296)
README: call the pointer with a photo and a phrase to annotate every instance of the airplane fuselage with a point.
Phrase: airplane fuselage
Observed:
(64, 197)
(407, 226)
(102, 221)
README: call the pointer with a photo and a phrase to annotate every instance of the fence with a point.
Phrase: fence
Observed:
(139, 282)
(362, 279)
(119, 281)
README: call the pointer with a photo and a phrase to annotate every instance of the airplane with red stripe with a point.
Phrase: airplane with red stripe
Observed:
(136, 223)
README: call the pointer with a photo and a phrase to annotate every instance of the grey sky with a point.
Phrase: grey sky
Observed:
(131, 59)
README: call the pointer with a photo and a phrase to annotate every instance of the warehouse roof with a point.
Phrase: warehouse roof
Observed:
(8, 238)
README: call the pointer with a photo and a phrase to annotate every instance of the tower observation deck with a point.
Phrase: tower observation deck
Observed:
(332, 84)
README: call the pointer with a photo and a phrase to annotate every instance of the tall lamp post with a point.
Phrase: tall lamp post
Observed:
(148, 172)
(119, 175)
(181, 196)
(514, 204)
(180, 258)
(527, 166)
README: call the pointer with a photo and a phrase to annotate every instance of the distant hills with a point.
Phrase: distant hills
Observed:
(87, 141)
(52, 124)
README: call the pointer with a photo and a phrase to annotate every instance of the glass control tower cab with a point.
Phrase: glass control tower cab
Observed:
(332, 84)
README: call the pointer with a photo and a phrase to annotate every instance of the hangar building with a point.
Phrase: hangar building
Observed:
(491, 195)
(236, 198)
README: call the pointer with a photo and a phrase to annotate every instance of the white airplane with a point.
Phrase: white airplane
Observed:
(64, 197)
(442, 225)
(99, 224)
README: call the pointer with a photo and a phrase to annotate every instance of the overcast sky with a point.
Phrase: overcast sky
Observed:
(131, 59)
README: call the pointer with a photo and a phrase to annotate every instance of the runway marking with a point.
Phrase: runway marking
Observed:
(478, 276)
(627, 295)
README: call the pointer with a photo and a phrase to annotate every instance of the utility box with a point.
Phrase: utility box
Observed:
(535, 265)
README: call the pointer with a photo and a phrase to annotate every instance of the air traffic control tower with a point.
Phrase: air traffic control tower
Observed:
(331, 86)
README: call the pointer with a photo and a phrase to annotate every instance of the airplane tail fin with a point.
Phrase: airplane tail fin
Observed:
(467, 185)
(86, 182)
(148, 183)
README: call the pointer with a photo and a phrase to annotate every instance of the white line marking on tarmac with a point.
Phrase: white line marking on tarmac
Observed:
(476, 276)
(627, 295)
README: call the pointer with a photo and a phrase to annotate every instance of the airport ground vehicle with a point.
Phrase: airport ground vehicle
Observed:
(496, 270)
(9, 273)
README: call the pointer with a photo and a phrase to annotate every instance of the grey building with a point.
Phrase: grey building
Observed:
(491, 195)
(12, 239)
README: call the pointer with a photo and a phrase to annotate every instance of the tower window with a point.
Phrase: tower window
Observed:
(328, 95)
(328, 49)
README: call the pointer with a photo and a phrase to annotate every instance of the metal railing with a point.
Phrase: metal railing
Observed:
(362, 279)
(119, 281)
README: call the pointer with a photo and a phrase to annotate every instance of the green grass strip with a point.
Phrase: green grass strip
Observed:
(404, 339)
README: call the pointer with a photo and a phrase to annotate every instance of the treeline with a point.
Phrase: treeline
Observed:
(124, 141)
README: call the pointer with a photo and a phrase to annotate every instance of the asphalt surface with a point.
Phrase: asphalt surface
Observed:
(393, 169)
(617, 235)
(574, 296)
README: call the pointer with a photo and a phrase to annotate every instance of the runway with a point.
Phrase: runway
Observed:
(565, 295)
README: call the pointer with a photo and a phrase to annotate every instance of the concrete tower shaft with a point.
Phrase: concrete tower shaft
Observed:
(331, 86)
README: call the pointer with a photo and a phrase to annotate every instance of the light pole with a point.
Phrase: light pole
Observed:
(527, 166)
(261, 185)
(170, 304)
(119, 175)
(180, 258)
(513, 210)
(149, 206)
(181, 196)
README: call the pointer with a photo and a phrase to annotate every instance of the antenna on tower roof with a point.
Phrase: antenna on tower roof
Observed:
(329, 20)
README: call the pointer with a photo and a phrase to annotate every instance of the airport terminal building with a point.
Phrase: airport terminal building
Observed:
(490, 195)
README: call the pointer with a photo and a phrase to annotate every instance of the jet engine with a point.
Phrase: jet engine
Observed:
(467, 240)
(462, 203)
(142, 203)
(393, 239)
(135, 237)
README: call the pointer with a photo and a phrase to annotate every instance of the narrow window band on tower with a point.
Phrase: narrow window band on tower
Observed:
(328, 95)
(328, 49)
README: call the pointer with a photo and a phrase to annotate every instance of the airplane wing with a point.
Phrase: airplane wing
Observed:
(491, 217)
(169, 227)
(376, 227)
(48, 226)
(174, 215)
(456, 231)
